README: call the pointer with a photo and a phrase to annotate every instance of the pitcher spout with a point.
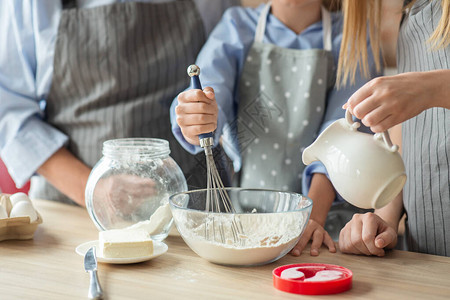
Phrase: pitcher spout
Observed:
(309, 154)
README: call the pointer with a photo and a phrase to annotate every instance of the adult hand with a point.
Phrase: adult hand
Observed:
(390, 100)
(315, 232)
(367, 234)
(197, 113)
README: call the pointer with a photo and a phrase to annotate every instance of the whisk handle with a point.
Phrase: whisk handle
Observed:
(195, 82)
(193, 71)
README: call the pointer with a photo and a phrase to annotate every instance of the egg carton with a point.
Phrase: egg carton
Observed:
(17, 228)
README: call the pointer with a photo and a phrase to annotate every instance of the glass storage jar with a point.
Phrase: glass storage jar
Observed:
(131, 184)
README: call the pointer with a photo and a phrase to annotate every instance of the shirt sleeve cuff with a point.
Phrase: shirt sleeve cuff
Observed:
(193, 149)
(309, 171)
(30, 148)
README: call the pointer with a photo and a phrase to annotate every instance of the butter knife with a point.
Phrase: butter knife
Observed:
(90, 265)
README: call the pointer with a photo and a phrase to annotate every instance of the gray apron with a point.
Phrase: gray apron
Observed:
(426, 139)
(282, 104)
(117, 69)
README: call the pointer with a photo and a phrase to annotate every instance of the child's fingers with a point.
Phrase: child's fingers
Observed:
(357, 239)
(196, 108)
(193, 96)
(328, 241)
(304, 239)
(317, 240)
(209, 92)
(194, 131)
(196, 120)
(385, 238)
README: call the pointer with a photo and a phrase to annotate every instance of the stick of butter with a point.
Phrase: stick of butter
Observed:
(125, 243)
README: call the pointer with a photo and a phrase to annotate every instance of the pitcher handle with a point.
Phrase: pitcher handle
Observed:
(387, 140)
(385, 134)
(349, 119)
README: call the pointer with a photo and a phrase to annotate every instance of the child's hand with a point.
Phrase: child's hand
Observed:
(367, 234)
(196, 113)
(315, 232)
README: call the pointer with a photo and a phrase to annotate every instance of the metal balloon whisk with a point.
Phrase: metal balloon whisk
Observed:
(217, 198)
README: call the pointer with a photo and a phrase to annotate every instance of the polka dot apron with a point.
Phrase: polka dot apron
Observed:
(282, 104)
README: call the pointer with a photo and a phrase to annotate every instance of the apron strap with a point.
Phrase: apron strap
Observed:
(326, 25)
(261, 26)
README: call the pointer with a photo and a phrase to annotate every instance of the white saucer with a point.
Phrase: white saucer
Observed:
(159, 248)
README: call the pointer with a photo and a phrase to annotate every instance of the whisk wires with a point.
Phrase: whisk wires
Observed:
(216, 194)
(218, 201)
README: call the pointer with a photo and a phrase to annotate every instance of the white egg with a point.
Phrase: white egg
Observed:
(18, 197)
(24, 209)
(3, 212)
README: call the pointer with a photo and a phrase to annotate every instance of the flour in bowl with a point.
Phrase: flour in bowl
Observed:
(267, 236)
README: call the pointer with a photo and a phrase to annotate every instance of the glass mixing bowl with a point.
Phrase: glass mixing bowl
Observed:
(131, 185)
(267, 225)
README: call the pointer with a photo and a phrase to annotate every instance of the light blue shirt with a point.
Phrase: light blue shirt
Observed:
(27, 42)
(221, 61)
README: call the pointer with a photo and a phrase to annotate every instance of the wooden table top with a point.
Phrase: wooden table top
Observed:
(47, 267)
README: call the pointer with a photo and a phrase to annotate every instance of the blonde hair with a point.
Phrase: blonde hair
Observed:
(357, 14)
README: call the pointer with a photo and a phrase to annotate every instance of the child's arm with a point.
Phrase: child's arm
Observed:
(220, 61)
(322, 193)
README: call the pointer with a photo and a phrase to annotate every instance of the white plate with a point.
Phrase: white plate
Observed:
(159, 248)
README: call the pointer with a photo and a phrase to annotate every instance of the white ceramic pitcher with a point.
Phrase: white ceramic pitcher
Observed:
(366, 170)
